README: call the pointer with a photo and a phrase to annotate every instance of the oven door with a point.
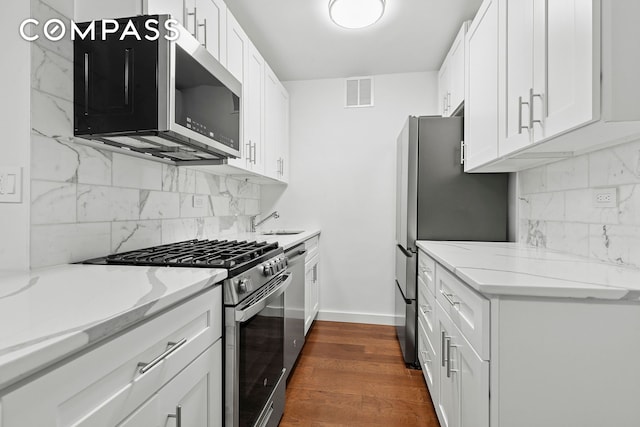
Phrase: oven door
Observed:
(255, 362)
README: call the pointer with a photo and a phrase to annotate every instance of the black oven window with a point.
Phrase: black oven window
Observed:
(203, 104)
(261, 360)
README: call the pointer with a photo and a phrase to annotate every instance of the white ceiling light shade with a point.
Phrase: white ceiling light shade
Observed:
(356, 13)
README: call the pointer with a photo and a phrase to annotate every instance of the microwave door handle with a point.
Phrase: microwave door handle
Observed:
(127, 59)
(255, 308)
(86, 83)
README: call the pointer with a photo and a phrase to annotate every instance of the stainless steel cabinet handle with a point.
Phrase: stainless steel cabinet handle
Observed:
(173, 346)
(282, 167)
(425, 308)
(520, 104)
(204, 24)
(443, 339)
(448, 101)
(462, 159)
(254, 153)
(531, 96)
(425, 355)
(449, 297)
(449, 369)
(195, 21)
(248, 155)
(177, 416)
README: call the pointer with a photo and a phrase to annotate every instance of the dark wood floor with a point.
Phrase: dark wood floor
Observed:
(353, 375)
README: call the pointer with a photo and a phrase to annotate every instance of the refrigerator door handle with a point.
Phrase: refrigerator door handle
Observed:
(406, 300)
(408, 253)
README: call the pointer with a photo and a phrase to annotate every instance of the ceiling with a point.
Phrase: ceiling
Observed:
(299, 41)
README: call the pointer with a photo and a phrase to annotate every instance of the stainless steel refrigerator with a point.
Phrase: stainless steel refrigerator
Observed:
(436, 200)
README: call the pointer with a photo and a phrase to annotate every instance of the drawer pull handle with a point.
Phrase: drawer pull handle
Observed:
(173, 346)
(424, 355)
(449, 298)
(177, 416)
(425, 309)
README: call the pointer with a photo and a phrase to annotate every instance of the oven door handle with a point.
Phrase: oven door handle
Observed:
(255, 308)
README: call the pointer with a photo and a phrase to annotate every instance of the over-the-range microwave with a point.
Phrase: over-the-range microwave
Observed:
(149, 86)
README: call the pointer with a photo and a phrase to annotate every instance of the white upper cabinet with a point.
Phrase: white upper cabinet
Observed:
(206, 21)
(276, 131)
(481, 99)
(451, 80)
(443, 87)
(549, 77)
(567, 81)
(237, 47)
(566, 61)
(254, 108)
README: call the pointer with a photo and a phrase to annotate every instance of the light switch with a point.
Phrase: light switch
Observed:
(10, 184)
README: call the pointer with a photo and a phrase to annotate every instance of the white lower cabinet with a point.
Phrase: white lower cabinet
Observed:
(311, 283)
(464, 379)
(192, 399)
(532, 362)
(456, 374)
(134, 378)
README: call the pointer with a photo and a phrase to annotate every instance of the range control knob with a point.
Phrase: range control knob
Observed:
(266, 269)
(242, 286)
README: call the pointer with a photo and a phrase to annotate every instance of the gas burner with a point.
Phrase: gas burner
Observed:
(229, 254)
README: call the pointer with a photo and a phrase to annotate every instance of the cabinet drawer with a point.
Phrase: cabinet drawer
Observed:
(106, 384)
(312, 246)
(468, 310)
(427, 309)
(427, 270)
(428, 360)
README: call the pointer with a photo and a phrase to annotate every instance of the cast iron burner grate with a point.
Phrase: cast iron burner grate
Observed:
(195, 253)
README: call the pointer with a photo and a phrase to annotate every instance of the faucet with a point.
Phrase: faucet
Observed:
(254, 224)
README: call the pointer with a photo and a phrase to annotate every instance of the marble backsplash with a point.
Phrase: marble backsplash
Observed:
(87, 202)
(556, 210)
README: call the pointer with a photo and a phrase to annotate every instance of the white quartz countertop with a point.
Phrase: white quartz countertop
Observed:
(516, 269)
(285, 240)
(51, 313)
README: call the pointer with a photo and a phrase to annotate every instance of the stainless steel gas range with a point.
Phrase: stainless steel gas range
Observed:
(254, 319)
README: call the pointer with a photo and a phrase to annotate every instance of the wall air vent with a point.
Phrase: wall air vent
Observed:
(359, 92)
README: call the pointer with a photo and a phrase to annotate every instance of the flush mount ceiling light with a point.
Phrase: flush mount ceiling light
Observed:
(356, 13)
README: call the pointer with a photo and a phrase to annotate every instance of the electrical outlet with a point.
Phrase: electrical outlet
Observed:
(199, 201)
(605, 197)
(10, 184)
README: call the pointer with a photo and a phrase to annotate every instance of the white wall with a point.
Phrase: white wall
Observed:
(15, 140)
(343, 181)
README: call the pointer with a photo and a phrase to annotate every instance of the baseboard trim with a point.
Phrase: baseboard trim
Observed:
(352, 317)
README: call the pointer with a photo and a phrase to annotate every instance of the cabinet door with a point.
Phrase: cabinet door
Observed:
(197, 391)
(211, 28)
(175, 8)
(448, 405)
(481, 99)
(276, 124)
(464, 379)
(516, 62)
(474, 385)
(443, 88)
(237, 59)
(90, 10)
(566, 83)
(311, 282)
(273, 117)
(254, 107)
(456, 71)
